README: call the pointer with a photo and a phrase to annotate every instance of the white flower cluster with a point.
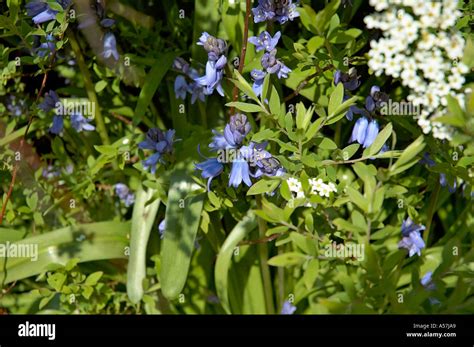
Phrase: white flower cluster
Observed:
(420, 47)
(317, 187)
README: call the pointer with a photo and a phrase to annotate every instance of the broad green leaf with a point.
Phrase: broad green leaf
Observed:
(263, 186)
(358, 199)
(93, 278)
(183, 213)
(142, 222)
(86, 242)
(238, 233)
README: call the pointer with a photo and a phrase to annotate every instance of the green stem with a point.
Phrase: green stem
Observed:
(431, 211)
(101, 129)
(263, 255)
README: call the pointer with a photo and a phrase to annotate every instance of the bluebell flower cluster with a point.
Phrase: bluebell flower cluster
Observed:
(247, 160)
(376, 99)
(15, 106)
(124, 194)
(365, 132)
(41, 12)
(78, 121)
(161, 143)
(182, 86)
(427, 282)
(162, 228)
(269, 61)
(412, 240)
(288, 308)
(110, 46)
(443, 179)
(216, 53)
(280, 11)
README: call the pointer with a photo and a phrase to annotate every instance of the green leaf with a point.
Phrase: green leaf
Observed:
(245, 107)
(358, 199)
(341, 110)
(263, 186)
(86, 242)
(327, 143)
(324, 17)
(152, 81)
(183, 213)
(349, 151)
(99, 86)
(56, 281)
(142, 222)
(244, 86)
(335, 100)
(93, 278)
(287, 259)
(238, 233)
(407, 159)
(379, 141)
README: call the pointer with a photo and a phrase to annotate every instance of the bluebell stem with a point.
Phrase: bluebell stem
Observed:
(110, 46)
(41, 12)
(80, 123)
(275, 10)
(288, 308)
(265, 41)
(412, 239)
(124, 194)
